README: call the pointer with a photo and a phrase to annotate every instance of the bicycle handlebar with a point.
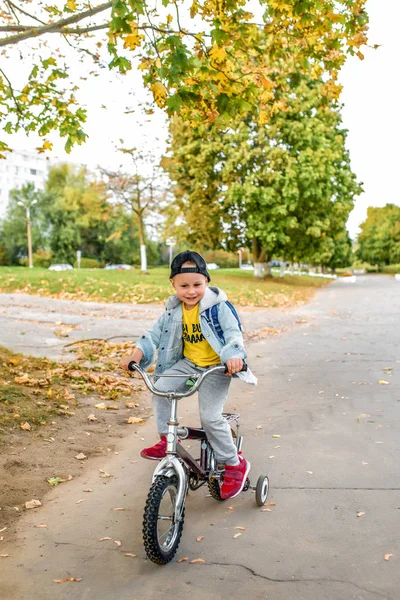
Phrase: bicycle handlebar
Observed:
(133, 366)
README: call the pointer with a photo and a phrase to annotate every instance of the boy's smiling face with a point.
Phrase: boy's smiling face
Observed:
(190, 287)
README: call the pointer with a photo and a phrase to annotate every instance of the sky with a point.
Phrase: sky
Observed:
(371, 114)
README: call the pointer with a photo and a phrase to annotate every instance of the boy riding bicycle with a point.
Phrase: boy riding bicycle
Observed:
(198, 329)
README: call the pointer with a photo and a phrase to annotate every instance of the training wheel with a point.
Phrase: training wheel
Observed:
(262, 489)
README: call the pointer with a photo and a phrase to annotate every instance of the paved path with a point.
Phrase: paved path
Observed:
(337, 455)
(46, 326)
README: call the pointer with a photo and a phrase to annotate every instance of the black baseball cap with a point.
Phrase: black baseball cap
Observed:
(189, 255)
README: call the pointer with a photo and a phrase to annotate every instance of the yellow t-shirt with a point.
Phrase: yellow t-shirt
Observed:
(195, 346)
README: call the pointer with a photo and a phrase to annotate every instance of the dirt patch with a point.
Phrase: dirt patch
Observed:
(51, 413)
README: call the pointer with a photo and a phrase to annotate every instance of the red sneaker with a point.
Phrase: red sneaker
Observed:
(235, 478)
(156, 452)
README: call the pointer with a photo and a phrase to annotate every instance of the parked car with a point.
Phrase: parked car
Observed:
(212, 266)
(121, 267)
(275, 264)
(61, 267)
(247, 267)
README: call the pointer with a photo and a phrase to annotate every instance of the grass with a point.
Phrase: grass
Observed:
(134, 287)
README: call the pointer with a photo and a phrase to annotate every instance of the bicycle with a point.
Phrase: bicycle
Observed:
(178, 472)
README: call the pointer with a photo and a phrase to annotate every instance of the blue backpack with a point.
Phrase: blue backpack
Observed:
(211, 315)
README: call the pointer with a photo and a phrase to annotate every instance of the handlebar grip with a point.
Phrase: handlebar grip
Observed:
(244, 368)
(130, 367)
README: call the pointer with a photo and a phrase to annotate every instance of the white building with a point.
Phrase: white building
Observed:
(19, 168)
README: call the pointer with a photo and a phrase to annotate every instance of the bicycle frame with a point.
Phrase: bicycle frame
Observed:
(178, 461)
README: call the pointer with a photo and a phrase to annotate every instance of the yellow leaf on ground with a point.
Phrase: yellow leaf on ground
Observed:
(80, 456)
(67, 579)
(25, 426)
(199, 538)
(240, 527)
(118, 543)
(383, 382)
(33, 504)
(387, 556)
(130, 554)
(360, 514)
(196, 560)
(134, 420)
(276, 435)
(236, 535)
(182, 559)
(104, 539)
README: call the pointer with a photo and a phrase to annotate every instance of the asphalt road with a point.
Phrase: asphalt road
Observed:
(336, 458)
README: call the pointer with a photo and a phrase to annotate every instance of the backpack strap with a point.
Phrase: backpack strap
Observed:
(215, 320)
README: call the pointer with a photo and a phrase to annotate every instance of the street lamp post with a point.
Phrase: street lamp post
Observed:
(28, 227)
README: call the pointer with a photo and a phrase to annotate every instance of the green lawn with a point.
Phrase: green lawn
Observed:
(133, 287)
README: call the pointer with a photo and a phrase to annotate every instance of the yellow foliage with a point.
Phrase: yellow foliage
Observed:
(217, 54)
(46, 146)
(159, 93)
(134, 39)
(71, 5)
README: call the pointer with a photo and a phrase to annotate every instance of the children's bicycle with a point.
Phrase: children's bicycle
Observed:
(179, 472)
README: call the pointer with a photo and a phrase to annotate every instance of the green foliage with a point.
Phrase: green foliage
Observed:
(286, 187)
(220, 66)
(392, 269)
(88, 263)
(379, 240)
(225, 260)
(40, 258)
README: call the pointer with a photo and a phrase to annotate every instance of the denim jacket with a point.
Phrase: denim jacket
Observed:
(166, 335)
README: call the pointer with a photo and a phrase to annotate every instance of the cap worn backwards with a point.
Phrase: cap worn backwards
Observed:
(189, 256)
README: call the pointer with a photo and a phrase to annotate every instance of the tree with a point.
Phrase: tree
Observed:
(206, 61)
(286, 187)
(142, 191)
(13, 232)
(379, 239)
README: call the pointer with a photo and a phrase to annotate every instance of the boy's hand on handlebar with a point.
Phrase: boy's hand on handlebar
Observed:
(136, 357)
(234, 365)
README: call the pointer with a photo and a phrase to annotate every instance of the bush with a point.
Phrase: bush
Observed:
(4, 259)
(40, 258)
(89, 263)
(391, 269)
(225, 260)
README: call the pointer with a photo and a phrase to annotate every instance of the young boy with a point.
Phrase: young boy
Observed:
(198, 329)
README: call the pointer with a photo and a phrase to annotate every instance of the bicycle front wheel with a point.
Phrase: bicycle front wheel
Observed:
(161, 532)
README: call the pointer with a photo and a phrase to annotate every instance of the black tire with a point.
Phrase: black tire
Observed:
(215, 489)
(160, 545)
(262, 489)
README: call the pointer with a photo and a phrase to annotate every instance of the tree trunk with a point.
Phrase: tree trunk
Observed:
(262, 268)
(143, 254)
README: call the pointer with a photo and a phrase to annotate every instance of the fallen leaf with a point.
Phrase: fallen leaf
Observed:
(25, 426)
(101, 406)
(41, 526)
(134, 420)
(118, 543)
(182, 559)
(310, 472)
(104, 539)
(387, 368)
(270, 504)
(119, 508)
(196, 560)
(265, 510)
(104, 473)
(55, 480)
(363, 462)
(383, 382)
(130, 554)
(360, 514)
(80, 456)
(258, 426)
(33, 504)
(240, 527)
(276, 435)
(199, 538)
(92, 418)
(1, 530)
(230, 508)
(88, 490)
(236, 535)
(67, 579)
(387, 556)
(4, 555)
(79, 501)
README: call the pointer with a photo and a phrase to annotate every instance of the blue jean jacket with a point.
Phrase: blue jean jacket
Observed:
(166, 335)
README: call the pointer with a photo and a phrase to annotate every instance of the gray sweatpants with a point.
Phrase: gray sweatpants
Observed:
(212, 395)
